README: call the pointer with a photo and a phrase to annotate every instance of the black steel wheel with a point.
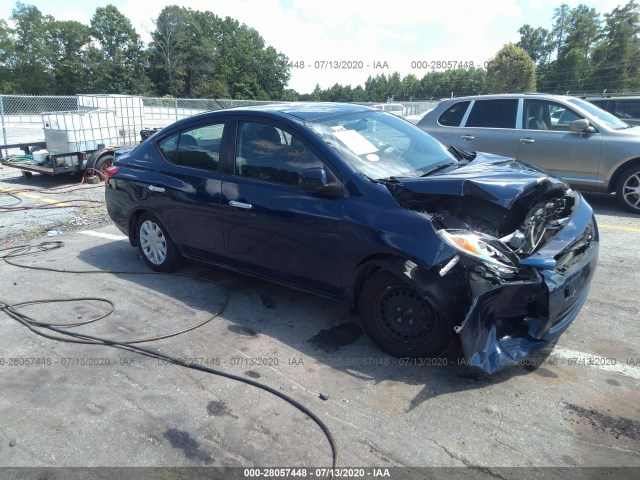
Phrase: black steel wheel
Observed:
(401, 321)
(155, 245)
(628, 189)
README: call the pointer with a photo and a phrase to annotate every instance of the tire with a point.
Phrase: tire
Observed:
(104, 162)
(628, 189)
(401, 321)
(156, 247)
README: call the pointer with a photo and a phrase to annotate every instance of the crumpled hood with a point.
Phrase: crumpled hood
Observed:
(500, 180)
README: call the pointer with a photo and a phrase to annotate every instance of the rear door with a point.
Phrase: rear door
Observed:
(185, 193)
(271, 226)
(490, 127)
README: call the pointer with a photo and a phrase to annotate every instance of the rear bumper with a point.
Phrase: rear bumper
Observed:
(516, 319)
(117, 207)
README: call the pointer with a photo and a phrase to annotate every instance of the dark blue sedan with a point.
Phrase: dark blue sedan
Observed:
(428, 243)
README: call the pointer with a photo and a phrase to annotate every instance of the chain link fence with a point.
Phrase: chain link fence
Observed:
(24, 118)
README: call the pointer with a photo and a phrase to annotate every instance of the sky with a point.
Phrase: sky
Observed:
(363, 38)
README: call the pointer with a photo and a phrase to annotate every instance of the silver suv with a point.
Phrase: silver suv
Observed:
(590, 148)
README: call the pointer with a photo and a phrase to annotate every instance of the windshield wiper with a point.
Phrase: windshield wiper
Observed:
(437, 169)
(460, 153)
(390, 182)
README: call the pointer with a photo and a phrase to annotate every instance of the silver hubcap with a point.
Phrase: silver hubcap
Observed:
(153, 242)
(631, 190)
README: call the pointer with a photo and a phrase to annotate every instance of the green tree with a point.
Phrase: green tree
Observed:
(536, 42)
(560, 27)
(336, 93)
(511, 71)
(290, 95)
(617, 57)
(204, 77)
(459, 82)
(317, 93)
(6, 56)
(197, 54)
(31, 64)
(273, 72)
(169, 50)
(118, 66)
(377, 88)
(68, 42)
(250, 69)
(359, 94)
(573, 67)
(410, 87)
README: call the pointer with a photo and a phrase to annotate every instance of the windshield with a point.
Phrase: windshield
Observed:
(380, 145)
(605, 117)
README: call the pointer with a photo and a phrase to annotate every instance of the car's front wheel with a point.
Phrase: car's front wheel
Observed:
(156, 247)
(628, 189)
(401, 321)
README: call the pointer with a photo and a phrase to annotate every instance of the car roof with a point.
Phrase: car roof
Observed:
(497, 96)
(308, 111)
(610, 97)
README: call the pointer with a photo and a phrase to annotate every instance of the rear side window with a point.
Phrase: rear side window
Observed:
(197, 147)
(452, 116)
(624, 109)
(493, 113)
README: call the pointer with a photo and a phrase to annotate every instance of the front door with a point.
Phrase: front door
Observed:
(547, 141)
(272, 227)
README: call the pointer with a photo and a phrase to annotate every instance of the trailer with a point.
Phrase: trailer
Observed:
(82, 140)
(91, 161)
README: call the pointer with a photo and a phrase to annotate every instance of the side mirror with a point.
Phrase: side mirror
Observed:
(315, 180)
(580, 126)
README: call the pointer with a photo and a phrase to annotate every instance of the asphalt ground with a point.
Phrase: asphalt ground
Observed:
(74, 405)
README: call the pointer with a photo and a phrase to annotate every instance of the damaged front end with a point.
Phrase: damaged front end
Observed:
(524, 265)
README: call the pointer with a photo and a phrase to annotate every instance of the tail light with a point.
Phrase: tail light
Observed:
(110, 172)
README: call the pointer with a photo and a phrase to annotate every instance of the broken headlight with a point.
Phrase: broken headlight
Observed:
(489, 250)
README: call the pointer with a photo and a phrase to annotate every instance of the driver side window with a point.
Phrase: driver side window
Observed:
(546, 115)
(265, 152)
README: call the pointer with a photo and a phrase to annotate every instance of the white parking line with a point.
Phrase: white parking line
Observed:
(108, 236)
(609, 364)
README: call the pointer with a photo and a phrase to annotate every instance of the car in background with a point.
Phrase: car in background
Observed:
(416, 118)
(625, 107)
(396, 109)
(588, 147)
(427, 244)
(555, 115)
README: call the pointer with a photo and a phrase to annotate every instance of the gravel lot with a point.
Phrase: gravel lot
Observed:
(82, 206)
(95, 406)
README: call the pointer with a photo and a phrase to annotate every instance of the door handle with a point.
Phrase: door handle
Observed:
(468, 137)
(527, 140)
(233, 203)
(153, 188)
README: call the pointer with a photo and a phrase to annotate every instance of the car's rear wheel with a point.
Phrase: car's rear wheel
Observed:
(401, 321)
(156, 247)
(628, 189)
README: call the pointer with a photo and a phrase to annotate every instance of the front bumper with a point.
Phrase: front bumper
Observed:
(516, 319)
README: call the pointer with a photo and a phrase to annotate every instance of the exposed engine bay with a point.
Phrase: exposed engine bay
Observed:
(518, 275)
(532, 221)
